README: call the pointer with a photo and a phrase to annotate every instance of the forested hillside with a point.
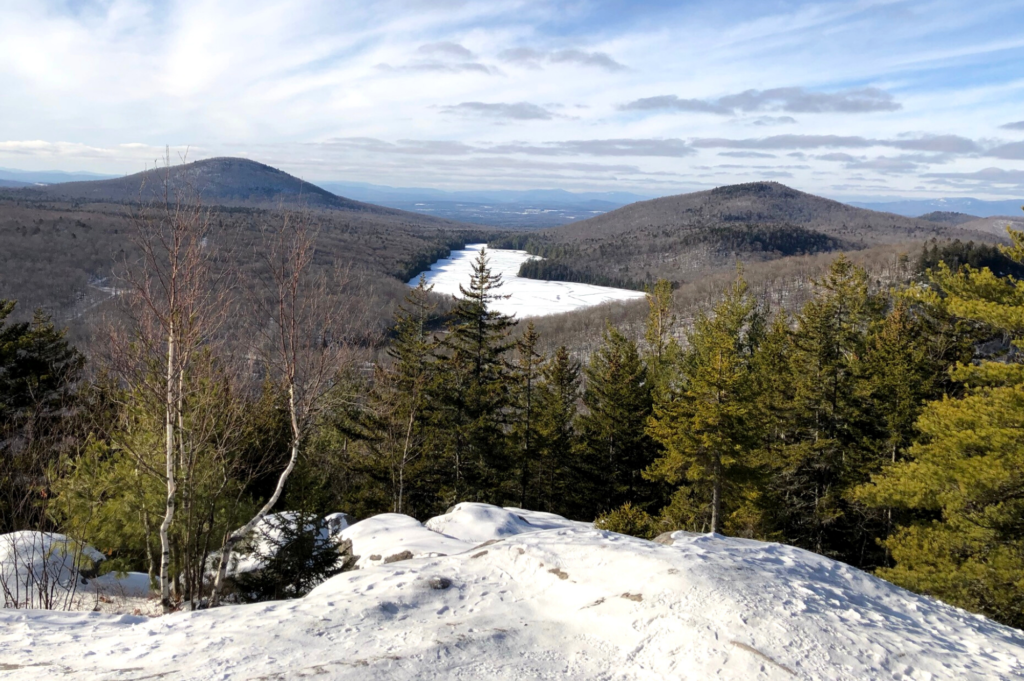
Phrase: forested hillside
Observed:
(681, 238)
(64, 247)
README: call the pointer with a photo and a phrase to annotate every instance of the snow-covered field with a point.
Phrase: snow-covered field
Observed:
(528, 297)
(540, 598)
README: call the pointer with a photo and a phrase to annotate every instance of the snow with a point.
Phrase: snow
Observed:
(527, 297)
(473, 522)
(570, 602)
(378, 538)
(46, 569)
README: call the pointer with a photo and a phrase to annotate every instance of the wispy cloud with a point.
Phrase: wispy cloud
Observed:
(531, 58)
(519, 111)
(787, 99)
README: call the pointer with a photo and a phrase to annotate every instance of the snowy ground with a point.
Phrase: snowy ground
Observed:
(545, 599)
(528, 297)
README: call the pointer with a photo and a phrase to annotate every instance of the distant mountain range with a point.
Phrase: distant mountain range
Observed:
(503, 208)
(917, 207)
(10, 177)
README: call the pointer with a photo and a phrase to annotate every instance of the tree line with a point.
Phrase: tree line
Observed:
(876, 427)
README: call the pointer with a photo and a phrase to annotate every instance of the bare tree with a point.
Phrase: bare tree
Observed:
(174, 304)
(300, 341)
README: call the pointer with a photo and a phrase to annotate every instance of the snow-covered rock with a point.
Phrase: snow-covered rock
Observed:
(569, 603)
(49, 570)
(389, 536)
(474, 522)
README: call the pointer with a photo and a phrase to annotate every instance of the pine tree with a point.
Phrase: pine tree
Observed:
(661, 346)
(525, 438)
(807, 498)
(618, 400)
(561, 478)
(471, 392)
(39, 370)
(704, 420)
(964, 474)
(397, 407)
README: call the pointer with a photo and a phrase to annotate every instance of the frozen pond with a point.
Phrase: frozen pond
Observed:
(528, 297)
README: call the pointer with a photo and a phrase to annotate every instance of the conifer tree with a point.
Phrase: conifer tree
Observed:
(618, 400)
(704, 420)
(471, 394)
(397, 406)
(824, 457)
(561, 477)
(661, 346)
(965, 471)
(38, 373)
(525, 438)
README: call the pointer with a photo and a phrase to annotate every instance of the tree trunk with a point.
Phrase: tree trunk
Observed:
(165, 542)
(716, 495)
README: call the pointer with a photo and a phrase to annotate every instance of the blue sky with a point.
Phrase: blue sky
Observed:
(850, 99)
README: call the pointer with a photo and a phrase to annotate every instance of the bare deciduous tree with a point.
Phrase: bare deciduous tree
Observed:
(300, 341)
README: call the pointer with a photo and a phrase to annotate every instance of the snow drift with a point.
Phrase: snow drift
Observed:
(564, 602)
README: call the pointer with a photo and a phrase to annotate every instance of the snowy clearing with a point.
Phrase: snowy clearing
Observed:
(528, 297)
(567, 602)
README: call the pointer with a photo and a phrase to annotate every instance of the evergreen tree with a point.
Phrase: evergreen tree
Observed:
(618, 400)
(661, 346)
(397, 408)
(704, 419)
(966, 472)
(471, 392)
(807, 497)
(39, 371)
(525, 438)
(561, 481)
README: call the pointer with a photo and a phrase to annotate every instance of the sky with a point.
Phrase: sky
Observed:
(849, 99)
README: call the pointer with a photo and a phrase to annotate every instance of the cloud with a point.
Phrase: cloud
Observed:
(443, 57)
(786, 142)
(446, 50)
(799, 100)
(442, 67)
(885, 164)
(597, 59)
(1019, 125)
(1013, 151)
(673, 103)
(531, 58)
(987, 175)
(947, 144)
(787, 99)
(837, 156)
(672, 148)
(746, 154)
(519, 111)
(773, 120)
(941, 144)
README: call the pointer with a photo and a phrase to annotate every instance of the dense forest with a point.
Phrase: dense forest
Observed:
(872, 424)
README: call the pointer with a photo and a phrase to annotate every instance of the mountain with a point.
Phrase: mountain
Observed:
(948, 217)
(220, 181)
(504, 208)
(60, 245)
(689, 235)
(31, 177)
(912, 207)
(14, 183)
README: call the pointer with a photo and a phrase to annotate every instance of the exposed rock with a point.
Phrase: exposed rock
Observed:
(404, 555)
(439, 583)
